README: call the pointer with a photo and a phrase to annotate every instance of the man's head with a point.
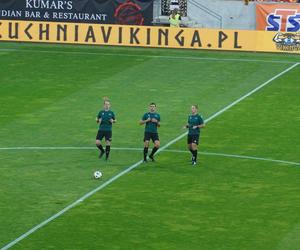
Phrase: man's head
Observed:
(152, 107)
(194, 109)
(106, 103)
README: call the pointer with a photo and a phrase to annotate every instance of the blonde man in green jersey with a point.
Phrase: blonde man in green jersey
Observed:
(195, 123)
(105, 119)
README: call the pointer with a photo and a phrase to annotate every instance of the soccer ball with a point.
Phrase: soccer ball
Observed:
(97, 174)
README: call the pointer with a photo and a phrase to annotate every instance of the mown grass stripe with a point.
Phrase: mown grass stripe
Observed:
(216, 59)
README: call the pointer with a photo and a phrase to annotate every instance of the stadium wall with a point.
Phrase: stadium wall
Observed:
(233, 14)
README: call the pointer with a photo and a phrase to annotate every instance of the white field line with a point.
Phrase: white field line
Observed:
(12, 243)
(166, 150)
(247, 157)
(52, 148)
(147, 56)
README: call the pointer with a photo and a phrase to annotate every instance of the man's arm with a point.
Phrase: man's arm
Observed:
(157, 121)
(144, 121)
(113, 119)
(98, 120)
(201, 123)
(186, 126)
(199, 126)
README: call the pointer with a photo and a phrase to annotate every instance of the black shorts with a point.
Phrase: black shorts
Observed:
(153, 136)
(106, 134)
(193, 139)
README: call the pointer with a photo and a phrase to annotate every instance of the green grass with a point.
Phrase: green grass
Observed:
(50, 95)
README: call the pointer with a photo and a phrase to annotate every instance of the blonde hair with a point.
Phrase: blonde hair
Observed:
(195, 105)
(105, 99)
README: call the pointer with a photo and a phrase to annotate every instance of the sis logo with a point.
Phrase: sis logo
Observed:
(284, 20)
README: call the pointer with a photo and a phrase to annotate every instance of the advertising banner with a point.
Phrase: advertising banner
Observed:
(133, 12)
(278, 17)
(149, 36)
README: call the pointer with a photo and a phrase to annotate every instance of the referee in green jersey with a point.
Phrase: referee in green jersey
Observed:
(105, 119)
(195, 123)
(152, 121)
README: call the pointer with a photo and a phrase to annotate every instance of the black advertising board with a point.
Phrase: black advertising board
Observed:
(132, 12)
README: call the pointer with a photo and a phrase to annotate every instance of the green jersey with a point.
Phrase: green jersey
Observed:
(194, 120)
(151, 126)
(105, 116)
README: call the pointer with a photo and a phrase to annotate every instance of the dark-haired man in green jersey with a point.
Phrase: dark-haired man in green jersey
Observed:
(152, 121)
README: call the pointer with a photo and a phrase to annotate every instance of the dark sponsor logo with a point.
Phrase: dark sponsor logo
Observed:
(129, 13)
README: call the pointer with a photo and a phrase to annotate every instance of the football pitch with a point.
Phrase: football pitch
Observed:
(243, 193)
